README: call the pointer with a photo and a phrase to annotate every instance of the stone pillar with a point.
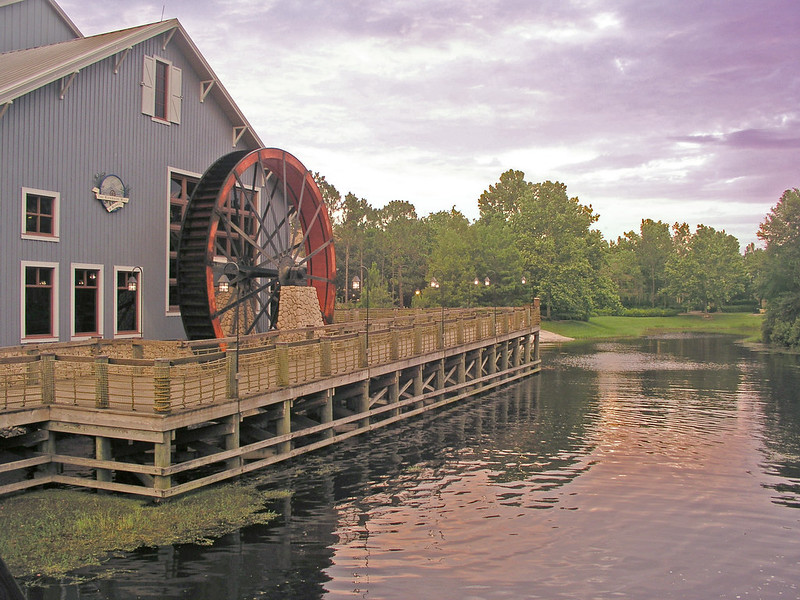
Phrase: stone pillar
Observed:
(299, 308)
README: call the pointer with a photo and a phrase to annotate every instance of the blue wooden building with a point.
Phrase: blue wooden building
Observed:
(102, 139)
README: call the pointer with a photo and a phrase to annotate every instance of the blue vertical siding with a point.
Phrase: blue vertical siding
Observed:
(16, 34)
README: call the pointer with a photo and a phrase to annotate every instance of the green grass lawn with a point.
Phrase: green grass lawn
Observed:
(745, 325)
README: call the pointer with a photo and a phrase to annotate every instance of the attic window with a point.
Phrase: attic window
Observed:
(161, 90)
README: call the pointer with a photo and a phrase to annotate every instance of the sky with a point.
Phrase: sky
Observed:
(672, 110)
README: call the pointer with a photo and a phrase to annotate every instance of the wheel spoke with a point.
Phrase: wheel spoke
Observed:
(286, 201)
(232, 227)
(309, 227)
(322, 279)
(247, 296)
(316, 251)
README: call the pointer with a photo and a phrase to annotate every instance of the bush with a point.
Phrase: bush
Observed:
(748, 307)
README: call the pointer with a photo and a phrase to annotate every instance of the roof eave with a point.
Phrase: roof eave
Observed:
(89, 58)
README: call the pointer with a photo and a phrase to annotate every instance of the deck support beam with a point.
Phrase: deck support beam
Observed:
(162, 459)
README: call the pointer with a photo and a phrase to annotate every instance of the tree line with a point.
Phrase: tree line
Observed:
(534, 240)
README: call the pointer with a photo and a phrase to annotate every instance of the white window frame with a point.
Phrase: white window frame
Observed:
(42, 237)
(140, 289)
(73, 308)
(174, 90)
(170, 172)
(53, 302)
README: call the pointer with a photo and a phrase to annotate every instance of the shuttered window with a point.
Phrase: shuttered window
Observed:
(161, 90)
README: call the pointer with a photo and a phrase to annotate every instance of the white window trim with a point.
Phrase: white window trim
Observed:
(129, 334)
(37, 339)
(56, 215)
(100, 284)
(170, 172)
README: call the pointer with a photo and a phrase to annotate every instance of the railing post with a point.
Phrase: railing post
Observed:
(394, 344)
(48, 368)
(325, 364)
(363, 357)
(232, 366)
(282, 353)
(417, 340)
(101, 382)
(162, 386)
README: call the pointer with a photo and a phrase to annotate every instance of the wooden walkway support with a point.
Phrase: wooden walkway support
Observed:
(160, 419)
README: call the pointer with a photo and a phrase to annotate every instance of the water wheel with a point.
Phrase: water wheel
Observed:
(255, 222)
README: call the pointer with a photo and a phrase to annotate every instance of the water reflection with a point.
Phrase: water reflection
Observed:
(659, 468)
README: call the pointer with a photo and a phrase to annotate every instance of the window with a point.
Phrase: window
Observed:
(161, 90)
(87, 315)
(40, 215)
(128, 302)
(39, 304)
(181, 186)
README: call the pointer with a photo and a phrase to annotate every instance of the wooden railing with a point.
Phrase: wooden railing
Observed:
(163, 377)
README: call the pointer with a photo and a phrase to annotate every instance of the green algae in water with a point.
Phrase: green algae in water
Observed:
(52, 532)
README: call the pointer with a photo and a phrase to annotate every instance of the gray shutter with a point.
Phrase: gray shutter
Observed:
(149, 86)
(175, 96)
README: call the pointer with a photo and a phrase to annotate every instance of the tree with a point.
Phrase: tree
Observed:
(623, 268)
(400, 236)
(653, 251)
(553, 235)
(708, 270)
(452, 258)
(501, 200)
(349, 227)
(780, 277)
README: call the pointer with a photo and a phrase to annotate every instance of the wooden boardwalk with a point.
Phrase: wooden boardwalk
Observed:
(162, 418)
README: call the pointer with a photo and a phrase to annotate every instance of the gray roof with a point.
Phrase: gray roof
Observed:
(24, 71)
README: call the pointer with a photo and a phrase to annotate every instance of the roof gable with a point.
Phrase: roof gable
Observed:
(31, 23)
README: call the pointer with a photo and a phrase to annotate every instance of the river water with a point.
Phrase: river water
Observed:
(660, 468)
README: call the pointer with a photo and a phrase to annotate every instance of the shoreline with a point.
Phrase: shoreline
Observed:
(549, 337)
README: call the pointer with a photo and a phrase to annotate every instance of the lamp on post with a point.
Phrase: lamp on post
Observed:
(133, 285)
(435, 285)
(357, 285)
(476, 283)
(133, 279)
(230, 277)
(487, 282)
(530, 308)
